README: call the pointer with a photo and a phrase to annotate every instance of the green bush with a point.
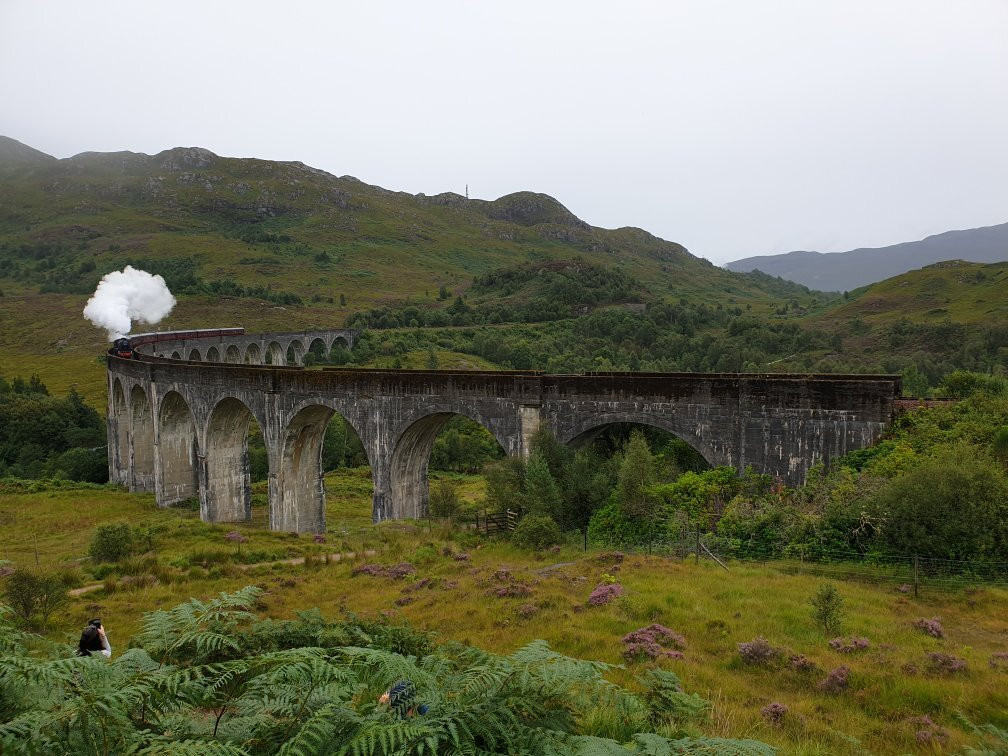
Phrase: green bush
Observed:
(111, 543)
(34, 593)
(536, 532)
(827, 608)
(951, 507)
(444, 498)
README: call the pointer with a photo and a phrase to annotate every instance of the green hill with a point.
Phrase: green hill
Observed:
(514, 282)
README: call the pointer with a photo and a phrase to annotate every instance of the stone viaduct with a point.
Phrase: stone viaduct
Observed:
(177, 427)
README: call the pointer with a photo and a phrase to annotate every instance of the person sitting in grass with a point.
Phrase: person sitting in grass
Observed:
(94, 639)
(400, 699)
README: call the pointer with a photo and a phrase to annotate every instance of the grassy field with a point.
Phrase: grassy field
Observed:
(890, 685)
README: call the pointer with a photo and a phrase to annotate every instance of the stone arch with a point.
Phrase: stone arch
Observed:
(339, 351)
(295, 352)
(253, 355)
(317, 348)
(141, 441)
(407, 472)
(176, 355)
(194, 355)
(232, 354)
(275, 354)
(299, 501)
(120, 424)
(586, 429)
(226, 496)
(177, 450)
(213, 354)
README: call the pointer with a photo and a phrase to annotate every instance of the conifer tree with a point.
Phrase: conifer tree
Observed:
(542, 494)
(636, 475)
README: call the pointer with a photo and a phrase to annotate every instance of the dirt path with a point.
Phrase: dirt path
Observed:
(91, 588)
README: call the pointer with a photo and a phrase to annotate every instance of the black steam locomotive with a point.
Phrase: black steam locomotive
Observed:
(123, 348)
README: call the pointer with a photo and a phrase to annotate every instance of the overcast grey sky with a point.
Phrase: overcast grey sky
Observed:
(736, 128)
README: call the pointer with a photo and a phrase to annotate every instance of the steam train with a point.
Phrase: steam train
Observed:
(126, 347)
(123, 348)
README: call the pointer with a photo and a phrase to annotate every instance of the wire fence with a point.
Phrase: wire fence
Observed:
(909, 571)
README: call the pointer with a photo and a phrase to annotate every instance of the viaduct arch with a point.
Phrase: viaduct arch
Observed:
(178, 427)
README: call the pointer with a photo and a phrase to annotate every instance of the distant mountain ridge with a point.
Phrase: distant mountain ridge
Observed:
(844, 271)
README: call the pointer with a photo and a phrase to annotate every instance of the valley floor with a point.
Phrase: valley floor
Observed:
(895, 702)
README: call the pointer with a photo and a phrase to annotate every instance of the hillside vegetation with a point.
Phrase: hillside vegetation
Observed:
(514, 282)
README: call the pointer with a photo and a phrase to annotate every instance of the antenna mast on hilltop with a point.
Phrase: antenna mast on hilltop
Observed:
(467, 191)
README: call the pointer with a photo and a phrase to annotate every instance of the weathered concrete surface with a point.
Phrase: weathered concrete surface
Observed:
(779, 424)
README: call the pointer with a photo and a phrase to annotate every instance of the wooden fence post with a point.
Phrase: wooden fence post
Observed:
(916, 576)
(698, 543)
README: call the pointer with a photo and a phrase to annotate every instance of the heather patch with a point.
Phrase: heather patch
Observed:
(527, 610)
(845, 646)
(503, 584)
(610, 557)
(512, 590)
(940, 663)
(758, 651)
(926, 732)
(605, 593)
(999, 661)
(774, 713)
(801, 663)
(932, 627)
(419, 585)
(653, 642)
(395, 571)
(836, 681)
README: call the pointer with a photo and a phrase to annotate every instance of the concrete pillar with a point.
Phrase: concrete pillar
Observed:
(225, 490)
(529, 419)
(297, 489)
(175, 451)
(141, 442)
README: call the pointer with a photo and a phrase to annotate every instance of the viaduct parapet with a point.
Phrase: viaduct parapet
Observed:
(178, 427)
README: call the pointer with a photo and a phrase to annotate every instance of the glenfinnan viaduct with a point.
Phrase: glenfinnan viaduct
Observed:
(179, 413)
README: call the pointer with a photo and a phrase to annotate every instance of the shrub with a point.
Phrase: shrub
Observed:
(827, 608)
(652, 642)
(395, 571)
(34, 593)
(945, 664)
(999, 661)
(444, 498)
(845, 646)
(758, 651)
(927, 732)
(111, 543)
(536, 532)
(932, 627)
(605, 593)
(913, 509)
(801, 663)
(836, 681)
(774, 713)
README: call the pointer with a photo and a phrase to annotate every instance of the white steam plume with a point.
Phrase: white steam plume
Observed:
(128, 295)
